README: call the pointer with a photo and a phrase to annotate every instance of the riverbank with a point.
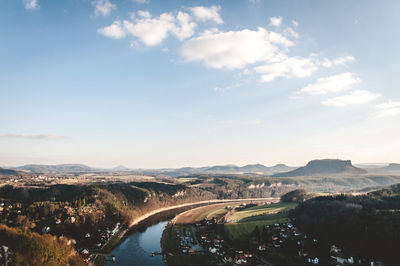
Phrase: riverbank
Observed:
(100, 259)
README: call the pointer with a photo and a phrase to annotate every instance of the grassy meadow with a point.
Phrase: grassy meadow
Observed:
(242, 223)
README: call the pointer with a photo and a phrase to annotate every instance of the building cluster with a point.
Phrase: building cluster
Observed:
(216, 245)
(187, 241)
(283, 238)
(103, 237)
(32, 179)
(339, 257)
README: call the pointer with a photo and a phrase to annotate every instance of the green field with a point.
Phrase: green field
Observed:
(248, 219)
(216, 213)
(261, 210)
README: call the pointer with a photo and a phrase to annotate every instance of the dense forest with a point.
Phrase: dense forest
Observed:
(365, 225)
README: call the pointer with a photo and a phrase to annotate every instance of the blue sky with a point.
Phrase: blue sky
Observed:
(193, 83)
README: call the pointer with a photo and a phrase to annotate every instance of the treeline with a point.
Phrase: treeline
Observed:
(29, 248)
(366, 226)
(298, 195)
(256, 186)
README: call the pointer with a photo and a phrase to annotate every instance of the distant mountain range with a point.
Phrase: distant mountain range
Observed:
(221, 169)
(60, 168)
(315, 167)
(217, 169)
(324, 167)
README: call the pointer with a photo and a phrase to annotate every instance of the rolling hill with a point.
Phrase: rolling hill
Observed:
(230, 169)
(393, 168)
(62, 168)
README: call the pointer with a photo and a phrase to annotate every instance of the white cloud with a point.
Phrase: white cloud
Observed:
(267, 49)
(262, 52)
(185, 27)
(389, 108)
(103, 7)
(233, 49)
(151, 30)
(202, 13)
(291, 32)
(279, 39)
(288, 67)
(141, 1)
(337, 62)
(295, 23)
(29, 136)
(229, 87)
(275, 21)
(31, 4)
(337, 83)
(355, 97)
(114, 31)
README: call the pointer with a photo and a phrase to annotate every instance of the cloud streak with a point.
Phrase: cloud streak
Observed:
(31, 4)
(389, 108)
(355, 97)
(332, 84)
(203, 14)
(33, 136)
(103, 7)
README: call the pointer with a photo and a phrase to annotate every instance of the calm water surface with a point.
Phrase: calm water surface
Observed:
(136, 249)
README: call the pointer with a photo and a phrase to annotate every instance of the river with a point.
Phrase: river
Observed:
(136, 248)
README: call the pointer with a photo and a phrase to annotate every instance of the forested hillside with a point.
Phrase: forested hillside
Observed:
(26, 248)
(365, 225)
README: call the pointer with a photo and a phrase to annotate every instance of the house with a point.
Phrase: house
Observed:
(248, 255)
(313, 261)
(212, 250)
(262, 247)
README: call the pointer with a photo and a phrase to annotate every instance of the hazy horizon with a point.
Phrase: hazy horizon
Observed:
(367, 164)
(156, 84)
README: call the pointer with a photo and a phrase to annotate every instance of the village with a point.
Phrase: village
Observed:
(60, 221)
(284, 240)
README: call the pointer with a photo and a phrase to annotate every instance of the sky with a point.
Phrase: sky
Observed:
(152, 84)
